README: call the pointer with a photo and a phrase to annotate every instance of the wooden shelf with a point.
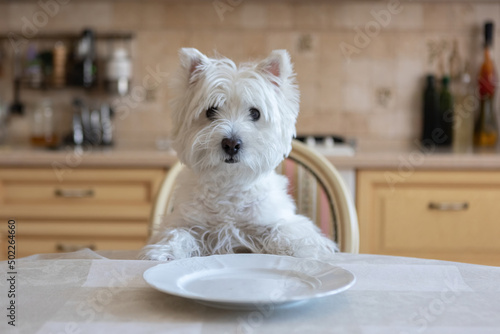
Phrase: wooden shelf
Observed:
(70, 36)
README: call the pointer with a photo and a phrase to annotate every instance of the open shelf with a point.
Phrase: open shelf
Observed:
(68, 36)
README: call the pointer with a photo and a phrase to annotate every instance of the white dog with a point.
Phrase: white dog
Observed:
(233, 125)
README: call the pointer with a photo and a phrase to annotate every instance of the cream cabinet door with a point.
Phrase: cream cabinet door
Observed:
(432, 214)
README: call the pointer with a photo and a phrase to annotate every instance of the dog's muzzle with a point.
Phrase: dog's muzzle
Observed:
(231, 146)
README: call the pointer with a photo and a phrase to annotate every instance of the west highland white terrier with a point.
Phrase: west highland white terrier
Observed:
(233, 125)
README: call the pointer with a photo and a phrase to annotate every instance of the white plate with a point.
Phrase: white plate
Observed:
(247, 281)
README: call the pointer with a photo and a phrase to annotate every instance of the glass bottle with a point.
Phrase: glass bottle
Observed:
(486, 128)
(430, 112)
(463, 122)
(85, 68)
(446, 112)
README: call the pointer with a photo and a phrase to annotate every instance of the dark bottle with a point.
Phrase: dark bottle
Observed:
(85, 70)
(446, 112)
(486, 128)
(430, 113)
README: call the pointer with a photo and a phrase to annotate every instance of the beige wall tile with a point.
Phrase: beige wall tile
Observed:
(309, 15)
(329, 47)
(281, 40)
(318, 123)
(383, 47)
(127, 15)
(409, 100)
(4, 17)
(410, 45)
(280, 15)
(392, 126)
(20, 16)
(357, 97)
(408, 73)
(410, 18)
(254, 16)
(353, 124)
(357, 71)
(382, 73)
(307, 73)
(254, 45)
(156, 15)
(330, 74)
(227, 17)
(199, 15)
(203, 41)
(329, 95)
(350, 15)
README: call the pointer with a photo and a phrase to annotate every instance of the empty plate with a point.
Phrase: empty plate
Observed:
(248, 281)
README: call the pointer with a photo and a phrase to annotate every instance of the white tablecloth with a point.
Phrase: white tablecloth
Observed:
(85, 292)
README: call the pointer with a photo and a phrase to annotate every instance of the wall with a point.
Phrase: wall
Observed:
(373, 94)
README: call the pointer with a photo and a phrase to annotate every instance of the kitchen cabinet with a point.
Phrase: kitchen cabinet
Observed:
(97, 208)
(447, 215)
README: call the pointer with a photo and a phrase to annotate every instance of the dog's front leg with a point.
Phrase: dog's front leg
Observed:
(171, 244)
(299, 237)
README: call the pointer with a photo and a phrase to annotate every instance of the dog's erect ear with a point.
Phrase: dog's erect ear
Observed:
(278, 65)
(192, 60)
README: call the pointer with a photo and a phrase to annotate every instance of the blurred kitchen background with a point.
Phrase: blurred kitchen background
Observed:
(84, 115)
(361, 65)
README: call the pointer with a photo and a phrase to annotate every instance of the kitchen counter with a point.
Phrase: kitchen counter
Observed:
(150, 157)
(140, 157)
(408, 160)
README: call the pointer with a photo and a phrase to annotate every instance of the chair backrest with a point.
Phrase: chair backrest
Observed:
(317, 187)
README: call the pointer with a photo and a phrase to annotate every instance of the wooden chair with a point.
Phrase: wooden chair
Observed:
(316, 186)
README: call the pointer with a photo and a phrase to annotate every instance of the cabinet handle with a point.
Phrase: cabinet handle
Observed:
(62, 247)
(74, 193)
(448, 206)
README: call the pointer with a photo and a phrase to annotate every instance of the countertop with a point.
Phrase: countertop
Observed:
(150, 157)
(135, 156)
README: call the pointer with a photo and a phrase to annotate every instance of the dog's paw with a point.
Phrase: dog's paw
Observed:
(155, 255)
(161, 257)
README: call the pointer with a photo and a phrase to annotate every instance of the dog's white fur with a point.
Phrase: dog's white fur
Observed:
(222, 207)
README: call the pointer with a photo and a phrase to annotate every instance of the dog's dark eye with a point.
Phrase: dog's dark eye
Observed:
(255, 114)
(211, 113)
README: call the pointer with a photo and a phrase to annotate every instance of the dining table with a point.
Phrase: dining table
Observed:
(105, 292)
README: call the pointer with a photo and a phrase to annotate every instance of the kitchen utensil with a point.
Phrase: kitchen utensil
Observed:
(106, 125)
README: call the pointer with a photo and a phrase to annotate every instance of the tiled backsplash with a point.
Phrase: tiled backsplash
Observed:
(360, 64)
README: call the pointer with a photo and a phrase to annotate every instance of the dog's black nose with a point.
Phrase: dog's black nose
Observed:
(231, 145)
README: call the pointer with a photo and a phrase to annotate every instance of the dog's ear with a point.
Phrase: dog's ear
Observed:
(278, 65)
(192, 61)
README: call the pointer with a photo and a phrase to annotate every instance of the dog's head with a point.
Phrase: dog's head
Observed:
(234, 119)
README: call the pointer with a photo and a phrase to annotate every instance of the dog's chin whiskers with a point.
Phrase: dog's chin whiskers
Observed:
(231, 160)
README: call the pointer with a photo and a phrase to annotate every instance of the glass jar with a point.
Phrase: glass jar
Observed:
(43, 132)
